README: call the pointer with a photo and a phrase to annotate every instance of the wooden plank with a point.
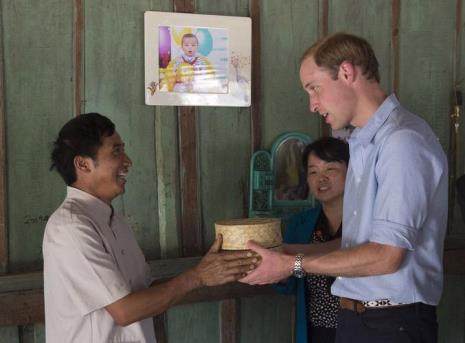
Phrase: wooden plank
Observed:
(458, 224)
(460, 85)
(395, 53)
(454, 262)
(229, 321)
(159, 323)
(288, 29)
(3, 166)
(114, 86)
(21, 308)
(167, 147)
(372, 21)
(324, 18)
(21, 296)
(9, 334)
(78, 24)
(256, 120)
(426, 74)
(325, 129)
(26, 307)
(184, 6)
(193, 323)
(224, 149)
(190, 204)
(451, 310)
(266, 319)
(38, 99)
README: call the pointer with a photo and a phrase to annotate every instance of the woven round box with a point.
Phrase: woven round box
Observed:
(236, 232)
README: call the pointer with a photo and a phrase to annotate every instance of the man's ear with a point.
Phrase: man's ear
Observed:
(82, 164)
(347, 71)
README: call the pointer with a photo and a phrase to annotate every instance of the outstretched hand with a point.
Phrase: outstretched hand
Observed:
(217, 268)
(274, 266)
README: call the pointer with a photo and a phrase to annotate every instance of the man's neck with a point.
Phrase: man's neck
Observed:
(370, 98)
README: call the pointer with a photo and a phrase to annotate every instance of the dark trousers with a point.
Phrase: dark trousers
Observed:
(415, 323)
(319, 334)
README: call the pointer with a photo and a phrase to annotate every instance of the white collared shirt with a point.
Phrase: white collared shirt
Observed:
(91, 260)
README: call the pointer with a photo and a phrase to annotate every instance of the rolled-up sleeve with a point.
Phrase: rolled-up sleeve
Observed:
(404, 195)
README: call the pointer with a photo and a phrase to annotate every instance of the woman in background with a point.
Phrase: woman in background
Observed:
(325, 161)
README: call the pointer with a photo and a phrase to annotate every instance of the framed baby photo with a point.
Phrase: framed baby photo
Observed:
(197, 60)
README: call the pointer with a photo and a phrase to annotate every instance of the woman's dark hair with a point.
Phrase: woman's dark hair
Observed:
(328, 149)
(81, 136)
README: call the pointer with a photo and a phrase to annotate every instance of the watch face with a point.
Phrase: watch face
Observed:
(299, 273)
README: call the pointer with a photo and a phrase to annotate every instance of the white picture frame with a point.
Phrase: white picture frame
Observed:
(197, 60)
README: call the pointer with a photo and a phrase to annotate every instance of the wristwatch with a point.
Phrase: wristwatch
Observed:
(298, 270)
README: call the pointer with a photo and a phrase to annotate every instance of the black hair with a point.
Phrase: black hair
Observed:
(328, 149)
(81, 136)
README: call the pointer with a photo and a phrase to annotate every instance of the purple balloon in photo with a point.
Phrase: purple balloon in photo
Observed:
(164, 46)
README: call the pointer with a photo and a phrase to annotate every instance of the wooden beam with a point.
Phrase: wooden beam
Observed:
(3, 167)
(395, 51)
(256, 121)
(78, 29)
(159, 323)
(454, 262)
(26, 307)
(191, 232)
(190, 203)
(23, 307)
(325, 129)
(230, 321)
(184, 6)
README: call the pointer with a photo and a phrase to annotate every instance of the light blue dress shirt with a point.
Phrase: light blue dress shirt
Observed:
(396, 194)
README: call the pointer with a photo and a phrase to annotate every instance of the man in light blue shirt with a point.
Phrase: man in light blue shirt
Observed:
(389, 263)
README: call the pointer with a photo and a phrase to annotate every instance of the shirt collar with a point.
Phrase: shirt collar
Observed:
(96, 207)
(366, 133)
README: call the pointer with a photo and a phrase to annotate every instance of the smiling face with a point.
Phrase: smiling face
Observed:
(109, 169)
(333, 99)
(189, 46)
(326, 179)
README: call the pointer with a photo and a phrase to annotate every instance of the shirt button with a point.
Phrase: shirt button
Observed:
(339, 278)
(122, 252)
(347, 245)
(358, 180)
(355, 213)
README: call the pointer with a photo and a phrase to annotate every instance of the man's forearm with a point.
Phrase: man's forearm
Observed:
(153, 300)
(363, 260)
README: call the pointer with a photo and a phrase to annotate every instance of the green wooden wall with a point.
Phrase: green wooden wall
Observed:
(39, 97)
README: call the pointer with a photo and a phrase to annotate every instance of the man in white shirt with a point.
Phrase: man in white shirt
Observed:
(97, 284)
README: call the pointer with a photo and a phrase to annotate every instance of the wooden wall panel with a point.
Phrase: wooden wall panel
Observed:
(288, 28)
(3, 163)
(371, 20)
(9, 334)
(224, 158)
(166, 136)
(460, 82)
(425, 69)
(114, 86)
(39, 99)
(224, 147)
(451, 310)
(167, 164)
(196, 323)
(459, 219)
(266, 319)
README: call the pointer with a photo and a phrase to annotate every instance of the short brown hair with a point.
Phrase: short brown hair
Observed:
(189, 35)
(330, 51)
